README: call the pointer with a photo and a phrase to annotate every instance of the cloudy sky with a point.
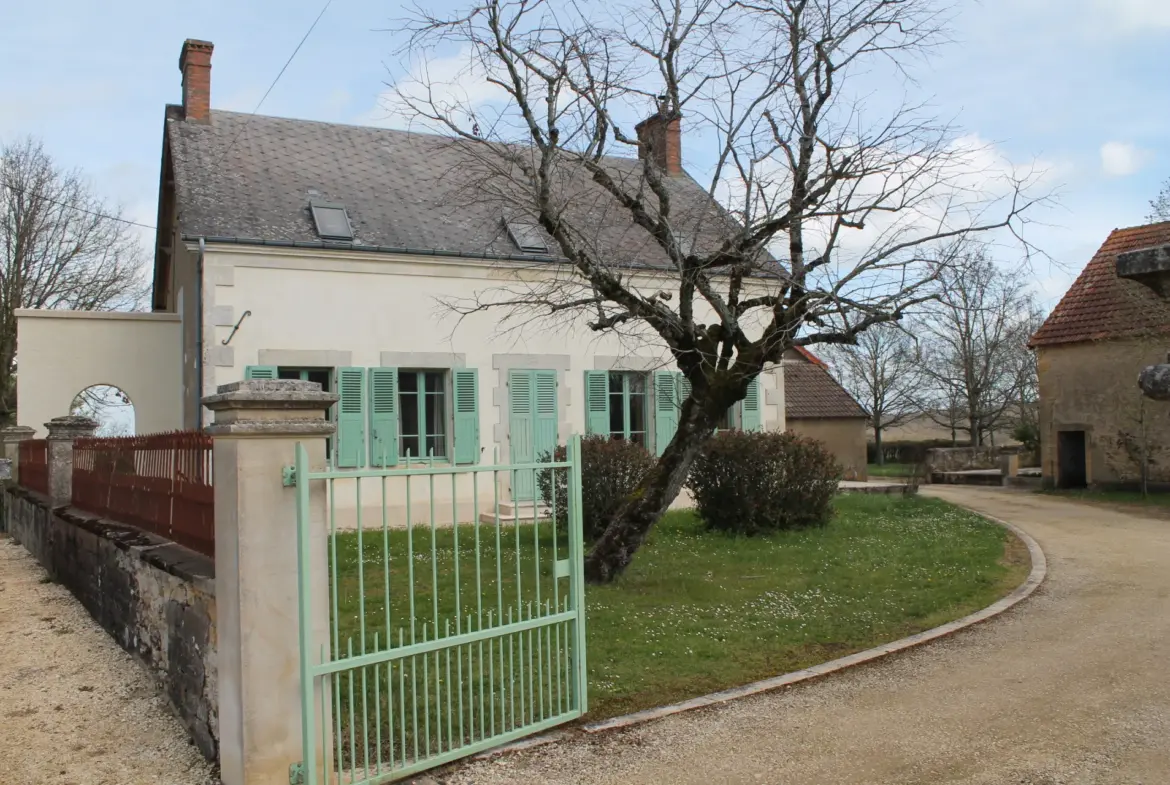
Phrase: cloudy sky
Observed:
(1078, 85)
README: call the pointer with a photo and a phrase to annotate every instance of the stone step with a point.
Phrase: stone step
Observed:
(511, 511)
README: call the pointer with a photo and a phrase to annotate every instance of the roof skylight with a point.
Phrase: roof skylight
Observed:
(331, 220)
(528, 237)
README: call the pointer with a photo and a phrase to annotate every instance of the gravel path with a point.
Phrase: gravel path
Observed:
(1069, 688)
(74, 708)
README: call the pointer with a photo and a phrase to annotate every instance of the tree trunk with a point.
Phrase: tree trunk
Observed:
(877, 444)
(615, 549)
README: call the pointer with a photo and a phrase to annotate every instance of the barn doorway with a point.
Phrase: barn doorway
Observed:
(1070, 457)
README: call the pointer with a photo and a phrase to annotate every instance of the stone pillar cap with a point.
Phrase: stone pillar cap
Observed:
(16, 433)
(270, 394)
(270, 408)
(71, 427)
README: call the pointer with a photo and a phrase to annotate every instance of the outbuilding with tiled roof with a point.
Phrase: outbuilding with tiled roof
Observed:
(815, 405)
(1094, 422)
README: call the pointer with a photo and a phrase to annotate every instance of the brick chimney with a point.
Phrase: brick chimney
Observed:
(661, 132)
(195, 63)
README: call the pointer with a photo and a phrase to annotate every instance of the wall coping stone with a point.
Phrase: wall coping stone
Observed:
(156, 551)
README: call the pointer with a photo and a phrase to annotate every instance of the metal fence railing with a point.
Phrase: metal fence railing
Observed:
(161, 483)
(34, 465)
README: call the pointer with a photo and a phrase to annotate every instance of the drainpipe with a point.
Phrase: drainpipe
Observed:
(199, 334)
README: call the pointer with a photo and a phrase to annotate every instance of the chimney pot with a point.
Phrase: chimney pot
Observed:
(661, 137)
(195, 63)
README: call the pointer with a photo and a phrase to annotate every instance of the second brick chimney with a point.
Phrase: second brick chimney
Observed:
(195, 63)
(661, 133)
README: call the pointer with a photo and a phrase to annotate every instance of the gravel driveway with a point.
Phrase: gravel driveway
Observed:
(74, 708)
(1070, 688)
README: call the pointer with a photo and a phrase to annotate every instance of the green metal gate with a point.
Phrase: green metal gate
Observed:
(451, 630)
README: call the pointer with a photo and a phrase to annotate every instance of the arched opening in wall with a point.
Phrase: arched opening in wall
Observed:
(110, 406)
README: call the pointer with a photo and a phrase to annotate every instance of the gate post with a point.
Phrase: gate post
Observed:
(257, 426)
(62, 432)
(10, 437)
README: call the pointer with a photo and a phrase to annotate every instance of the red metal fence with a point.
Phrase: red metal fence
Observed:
(34, 465)
(160, 483)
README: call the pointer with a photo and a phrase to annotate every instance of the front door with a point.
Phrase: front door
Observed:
(532, 426)
(1070, 459)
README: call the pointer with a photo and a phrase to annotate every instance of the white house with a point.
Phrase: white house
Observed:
(294, 249)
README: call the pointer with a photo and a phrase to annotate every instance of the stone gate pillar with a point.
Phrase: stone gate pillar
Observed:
(10, 438)
(257, 426)
(62, 432)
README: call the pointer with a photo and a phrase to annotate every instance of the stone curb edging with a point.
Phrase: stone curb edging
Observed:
(1035, 577)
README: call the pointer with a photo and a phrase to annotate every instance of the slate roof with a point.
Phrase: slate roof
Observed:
(1099, 305)
(810, 391)
(251, 177)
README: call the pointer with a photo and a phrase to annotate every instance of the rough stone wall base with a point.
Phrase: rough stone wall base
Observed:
(155, 598)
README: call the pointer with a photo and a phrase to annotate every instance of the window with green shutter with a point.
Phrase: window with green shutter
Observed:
(546, 412)
(351, 418)
(383, 417)
(323, 377)
(616, 405)
(597, 402)
(666, 408)
(422, 413)
(751, 410)
(260, 372)
(465, 391)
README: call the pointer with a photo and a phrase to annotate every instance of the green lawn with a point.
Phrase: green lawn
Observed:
(1113, 497)
(696, 612)
(891, 470)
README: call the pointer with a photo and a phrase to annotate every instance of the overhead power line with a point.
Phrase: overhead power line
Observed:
(283, 68)
(68, 206)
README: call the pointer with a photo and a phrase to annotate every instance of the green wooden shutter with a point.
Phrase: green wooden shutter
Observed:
(383, 417)
(751, 411)
(666, 404)
(260, 372)
(546, 413)
(597, 402)
(521, 432)
(351, 418)
(681, 388)
(465, 386)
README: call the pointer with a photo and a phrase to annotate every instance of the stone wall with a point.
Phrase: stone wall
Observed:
(155, 598)
(1092, 387)
(961, 459)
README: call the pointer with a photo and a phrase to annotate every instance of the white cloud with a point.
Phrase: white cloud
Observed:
(1121, 159)
(1135, 14)
(455, 85)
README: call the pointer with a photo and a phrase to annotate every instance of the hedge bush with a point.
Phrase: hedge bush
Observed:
(754, 483)
(609, 471)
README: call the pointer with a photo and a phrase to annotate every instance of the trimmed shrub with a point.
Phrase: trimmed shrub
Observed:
(754, 483)
(609, 471)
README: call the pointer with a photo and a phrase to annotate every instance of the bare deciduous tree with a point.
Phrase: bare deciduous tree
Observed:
(975, 346)
(1160, 205)
(836, 211)
(883, 371)
(60, 247)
